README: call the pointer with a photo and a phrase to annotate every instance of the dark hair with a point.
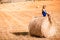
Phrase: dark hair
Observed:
(44, 6)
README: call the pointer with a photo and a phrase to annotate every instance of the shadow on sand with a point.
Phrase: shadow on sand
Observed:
(25, 34)
(20, 33)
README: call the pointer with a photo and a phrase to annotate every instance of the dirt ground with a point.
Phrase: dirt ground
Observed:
(15, 17)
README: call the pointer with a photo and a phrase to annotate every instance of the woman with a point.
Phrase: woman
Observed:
(44, 13)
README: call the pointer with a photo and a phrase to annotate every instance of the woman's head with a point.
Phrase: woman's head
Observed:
(44, 6)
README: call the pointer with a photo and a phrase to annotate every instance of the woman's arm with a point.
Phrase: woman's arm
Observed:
(49, 17)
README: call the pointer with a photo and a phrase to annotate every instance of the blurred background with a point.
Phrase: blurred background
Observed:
(10, 1)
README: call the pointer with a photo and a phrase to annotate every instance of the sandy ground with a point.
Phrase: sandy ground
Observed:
(15, 17)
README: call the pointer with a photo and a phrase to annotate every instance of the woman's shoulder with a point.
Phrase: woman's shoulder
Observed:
(44, 10)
